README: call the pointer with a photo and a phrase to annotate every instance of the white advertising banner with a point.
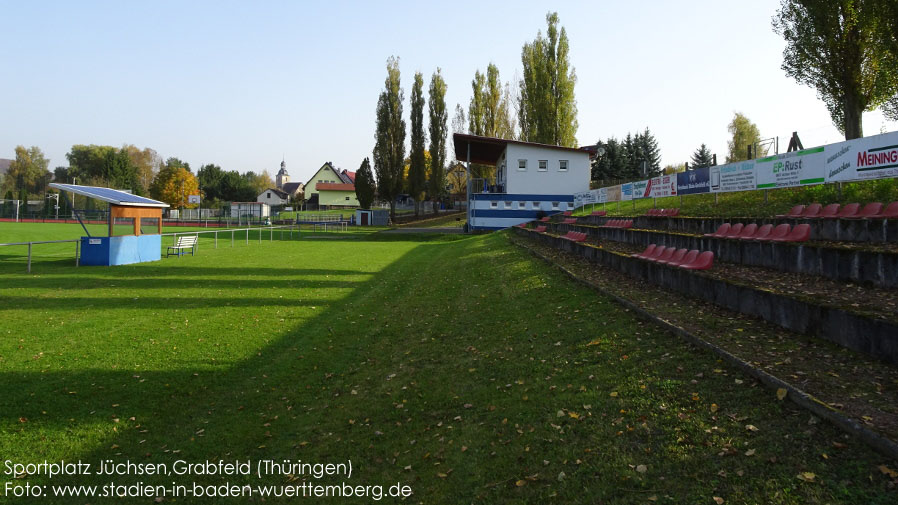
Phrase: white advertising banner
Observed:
(799, 168)
(873, 157)
(583, 198)
(665, 185)
(642, 189)
(739, 176)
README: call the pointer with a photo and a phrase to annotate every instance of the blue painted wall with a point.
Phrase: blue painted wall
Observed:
(106, 251)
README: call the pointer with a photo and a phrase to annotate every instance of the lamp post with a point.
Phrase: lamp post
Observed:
(55, 196)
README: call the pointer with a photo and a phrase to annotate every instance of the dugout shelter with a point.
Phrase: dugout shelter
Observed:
(134, 224)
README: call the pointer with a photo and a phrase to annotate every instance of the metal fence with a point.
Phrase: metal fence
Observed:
(64, 251)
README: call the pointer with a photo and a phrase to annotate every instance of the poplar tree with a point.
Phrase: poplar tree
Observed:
(547, 108)
(416, 173)
(438, 116)
(846, 50)
(389, 145)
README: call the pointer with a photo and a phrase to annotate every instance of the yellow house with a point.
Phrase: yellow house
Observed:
(331, 187)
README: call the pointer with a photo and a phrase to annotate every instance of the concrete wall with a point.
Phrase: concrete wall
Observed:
(875, 337)
(842, 230)
(877, 268)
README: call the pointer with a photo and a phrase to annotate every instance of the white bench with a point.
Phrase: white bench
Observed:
(184, 243)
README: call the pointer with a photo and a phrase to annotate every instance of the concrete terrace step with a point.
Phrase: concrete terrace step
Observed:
(874, 265)
(847, 326)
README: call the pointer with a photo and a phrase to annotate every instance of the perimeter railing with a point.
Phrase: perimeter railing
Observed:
(57, 250)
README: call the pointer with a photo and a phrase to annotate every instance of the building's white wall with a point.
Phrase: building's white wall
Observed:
(274, 200)
(550, 182)
(251, 209)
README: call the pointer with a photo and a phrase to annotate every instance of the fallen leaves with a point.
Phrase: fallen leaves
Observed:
(752, 428)
(718, 500)
(888, 471)
(641, 468)
(807, 476)
(781, 394)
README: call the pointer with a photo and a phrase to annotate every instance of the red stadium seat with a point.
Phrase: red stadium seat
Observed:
(648, 251)
(666, 255)
(676, 259)
(735, 230)
(722, 231)
(627, 223)
(749, 231)
(795, 212)
(762, 233)
(812, 210)
(799, 233)
(829, 211)
(890, 212)
(780, 231)
(540, 229)
(545, 219)
(567, 213)
(704, 261)
(849, 210)
(674, 212)
(570, 220)
(872, 209)
(599, 213)
(656, 253)
(689, 258)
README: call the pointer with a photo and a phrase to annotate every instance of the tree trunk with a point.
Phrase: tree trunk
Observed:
(393, 210)
(853, 110)
(417, 208)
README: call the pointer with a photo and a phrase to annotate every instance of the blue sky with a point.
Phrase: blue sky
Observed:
(242, 84)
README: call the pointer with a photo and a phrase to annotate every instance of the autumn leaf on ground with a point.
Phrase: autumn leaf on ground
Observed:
(807, 476)
(574, 415)
(641, 468)
(714, 407)
(613, 394)
(888, 471)
(521, 483)
(781, 393)
(718, 500)
(751, 427)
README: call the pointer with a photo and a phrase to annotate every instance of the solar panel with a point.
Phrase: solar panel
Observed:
(113, 196)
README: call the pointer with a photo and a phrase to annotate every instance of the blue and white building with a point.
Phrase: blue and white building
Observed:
(532, 180)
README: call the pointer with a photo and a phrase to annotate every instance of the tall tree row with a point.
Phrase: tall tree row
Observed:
(490, 112)
(27, 174)
(744, 133)
(635, 157)
(417, 177)
(547, 108)
(438, 116)
(389, 145)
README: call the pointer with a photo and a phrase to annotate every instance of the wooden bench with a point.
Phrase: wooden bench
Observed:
(184, 243)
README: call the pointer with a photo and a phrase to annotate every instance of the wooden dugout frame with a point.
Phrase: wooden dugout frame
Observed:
(136, 213)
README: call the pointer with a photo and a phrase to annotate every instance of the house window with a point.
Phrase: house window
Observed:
(522, 165)
(507, 205)
(522, 205)
(494, 205)
(269, 195)
(554, 205)
(535, 205)
(347, 198)
(543, 165)
(562, 165)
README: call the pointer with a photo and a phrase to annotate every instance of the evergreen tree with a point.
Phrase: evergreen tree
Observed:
(651, 153)
(416, 174)
(389, 146)
(745, 133)
(611, 164)
(547, 108)
(702, 157)
(364, 185)
(436, 186)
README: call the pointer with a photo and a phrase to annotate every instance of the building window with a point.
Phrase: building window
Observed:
(494, 205)
(522, 205)
(554, 205)
(347, 198)
(562, 165)
(543, 165)
(269, 195)
(522, 165)
(507, 205)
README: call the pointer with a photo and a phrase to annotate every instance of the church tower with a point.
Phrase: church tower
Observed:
(282, 177)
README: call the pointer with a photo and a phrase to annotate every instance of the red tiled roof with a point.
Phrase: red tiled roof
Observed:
(351, 175)
(329, 186)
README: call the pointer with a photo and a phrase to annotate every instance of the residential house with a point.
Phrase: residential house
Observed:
(331, 187)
